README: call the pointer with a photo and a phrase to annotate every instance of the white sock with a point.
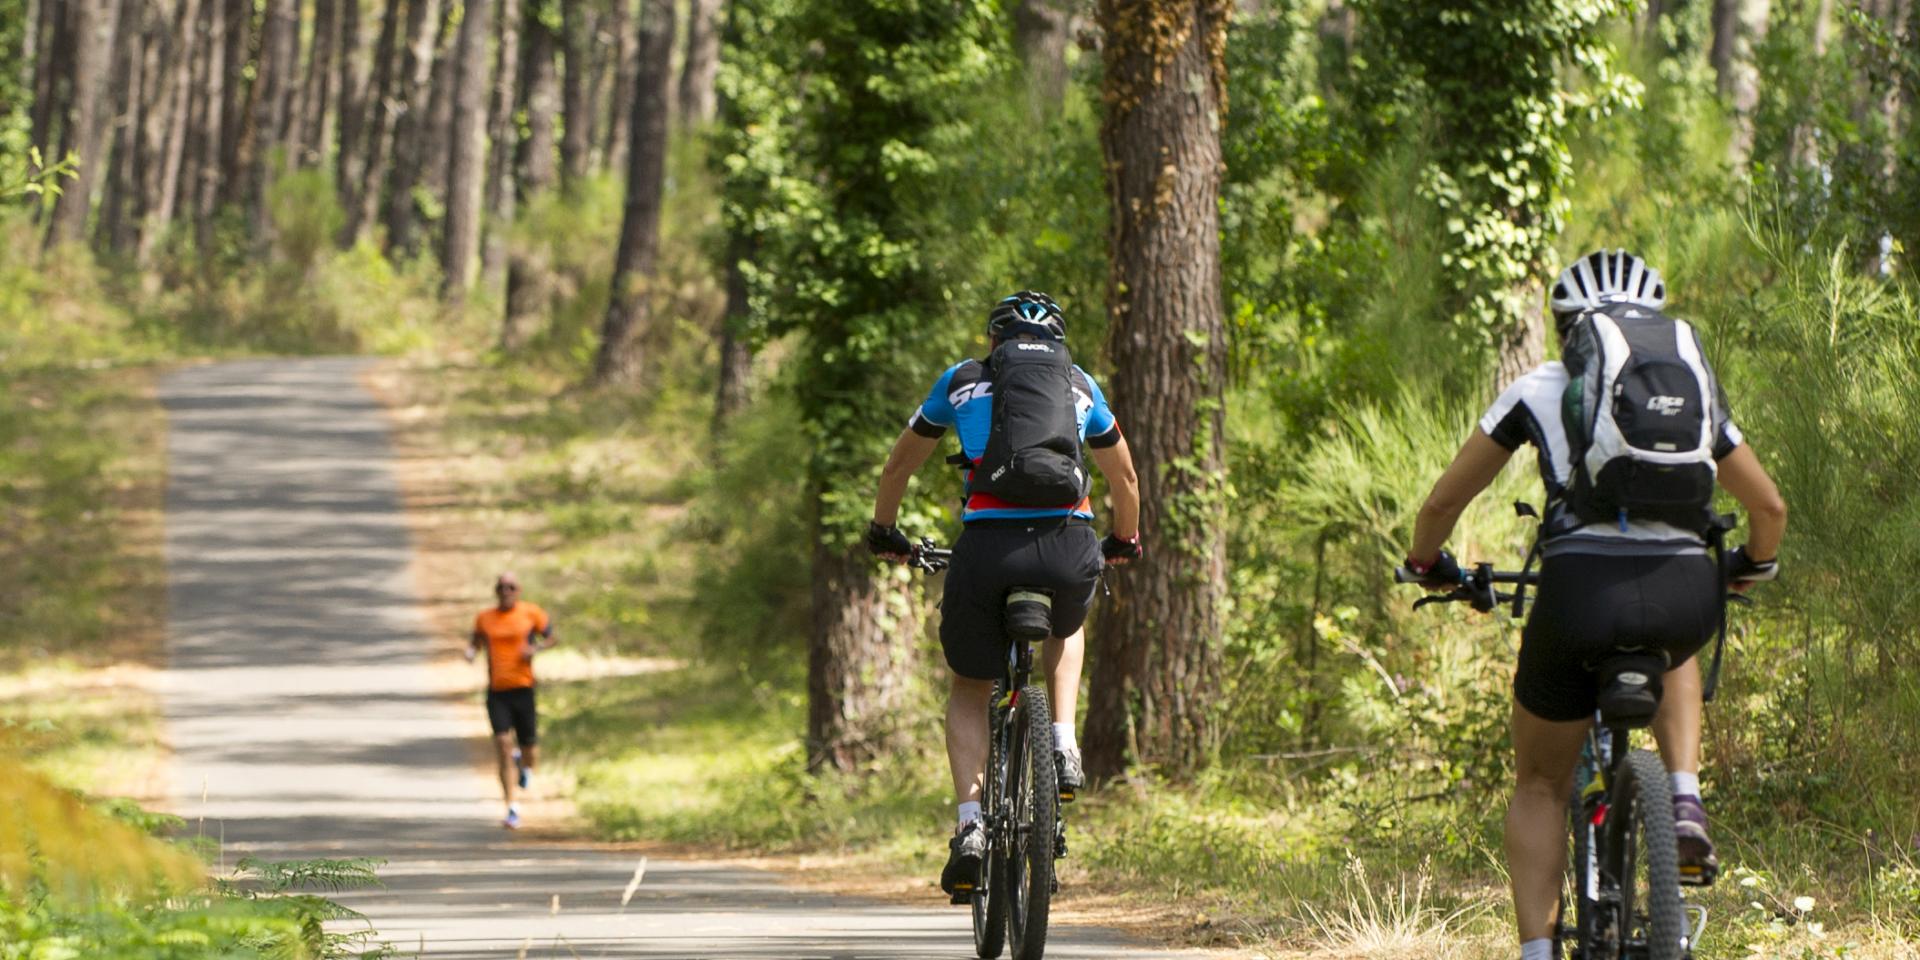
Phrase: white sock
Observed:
(513, 808)
(1686, 785)
(969, 812)
(1541, 949)
(1063, 737)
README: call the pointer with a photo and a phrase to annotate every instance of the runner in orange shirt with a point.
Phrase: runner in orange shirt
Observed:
(511, 632)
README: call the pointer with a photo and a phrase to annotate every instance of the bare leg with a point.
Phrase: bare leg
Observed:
(1544, 754)
(1063, 657)
(967, 735)
(1677, 724)
(530, 756)
(503, 751)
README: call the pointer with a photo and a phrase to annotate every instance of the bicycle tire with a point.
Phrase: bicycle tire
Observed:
(1029, 861)
(1570, 942)
(1660, 916)
(990, 905)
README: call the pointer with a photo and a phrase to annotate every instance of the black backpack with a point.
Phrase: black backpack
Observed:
(1641, 411)
(1033, 446)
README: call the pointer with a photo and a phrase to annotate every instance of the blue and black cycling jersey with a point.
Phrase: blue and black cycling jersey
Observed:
(963, 399)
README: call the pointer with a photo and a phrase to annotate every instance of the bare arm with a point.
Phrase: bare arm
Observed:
(1116, 464)
(475, 644)
(909, 452)
(1742, 475)
(1478, 462)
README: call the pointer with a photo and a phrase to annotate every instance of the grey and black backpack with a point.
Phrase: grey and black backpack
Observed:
(1641, 411)
(1032, 457)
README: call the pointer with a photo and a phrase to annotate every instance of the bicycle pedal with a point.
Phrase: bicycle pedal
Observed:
(1067, 796)
(1695, 875)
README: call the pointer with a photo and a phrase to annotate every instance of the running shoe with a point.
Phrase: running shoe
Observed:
(967, 850)
(512, 820)
(1698, 865)
(526, 777)
(1066, 764)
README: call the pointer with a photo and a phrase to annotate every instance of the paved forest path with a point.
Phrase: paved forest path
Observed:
(306, 720)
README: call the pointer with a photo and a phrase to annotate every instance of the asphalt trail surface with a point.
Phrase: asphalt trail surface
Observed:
(306, 721)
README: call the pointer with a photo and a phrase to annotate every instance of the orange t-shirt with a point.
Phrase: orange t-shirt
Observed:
(507, 633)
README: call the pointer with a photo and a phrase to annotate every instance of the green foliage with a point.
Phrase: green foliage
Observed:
(1488, 76)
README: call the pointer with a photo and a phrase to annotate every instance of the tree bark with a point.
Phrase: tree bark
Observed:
(734, 388)
(859, 662)
(362, 184)
(1738, 27)
(501, 134)
(350, 157)
(1159, 669)
(177, 87)
(235, 113)
(701, 65)
(425, 25)
(625, 67)
(467, 153)
(576, 136)
(94, 23)
(629, 307)
(274, 122)
(1523, 345)
(121, 188)
(317, 93)
(440, 97)
(529, 269)
(1041, 32)
(213, 100)
(54, 42)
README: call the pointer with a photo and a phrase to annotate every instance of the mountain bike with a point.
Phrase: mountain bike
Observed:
(1623, 877)
(1020, 804)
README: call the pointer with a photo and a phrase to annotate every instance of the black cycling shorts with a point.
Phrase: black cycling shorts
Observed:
(1589, 605)
(1061, 556)
(513, 710)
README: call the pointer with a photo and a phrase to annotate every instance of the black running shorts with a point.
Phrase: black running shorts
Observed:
(513, 710)
(1060, 555)
(1589, 605)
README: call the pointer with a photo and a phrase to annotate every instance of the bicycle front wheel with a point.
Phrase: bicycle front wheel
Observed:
(1648, 858)
(1029, 860)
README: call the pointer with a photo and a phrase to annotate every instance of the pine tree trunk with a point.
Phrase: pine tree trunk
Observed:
(1523, 346)
(350, 159)
(236, 114)
(529, 269)
(424, 23)
(274, 108)
(361, 185)
(213, 99)
(1041, 32)
(467, 153)
(121, 188)
(625, 67)
(1738, 28)
(440, 102)
(629, 308)
(501, 135)
(576, 136)
(317, 93)
(53, 40)
(94, 23)
(1159, 669)
(859, 660)
(734, 389)
(701, 66)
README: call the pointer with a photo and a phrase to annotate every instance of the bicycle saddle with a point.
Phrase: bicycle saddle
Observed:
(1630, 688)
(1029, 615)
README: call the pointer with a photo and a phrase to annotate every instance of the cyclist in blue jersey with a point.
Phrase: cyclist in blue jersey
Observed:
(1005, 545)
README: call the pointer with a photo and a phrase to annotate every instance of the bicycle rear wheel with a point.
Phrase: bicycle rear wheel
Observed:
(1029, 858)
(1642, 845)
(990, 903)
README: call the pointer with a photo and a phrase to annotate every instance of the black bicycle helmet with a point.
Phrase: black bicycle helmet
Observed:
(1029, 312)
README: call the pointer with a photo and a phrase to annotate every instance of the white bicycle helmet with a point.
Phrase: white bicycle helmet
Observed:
(1607, 276)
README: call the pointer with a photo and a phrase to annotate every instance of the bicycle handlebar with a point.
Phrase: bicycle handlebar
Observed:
(929, 558)
(1476, 587)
